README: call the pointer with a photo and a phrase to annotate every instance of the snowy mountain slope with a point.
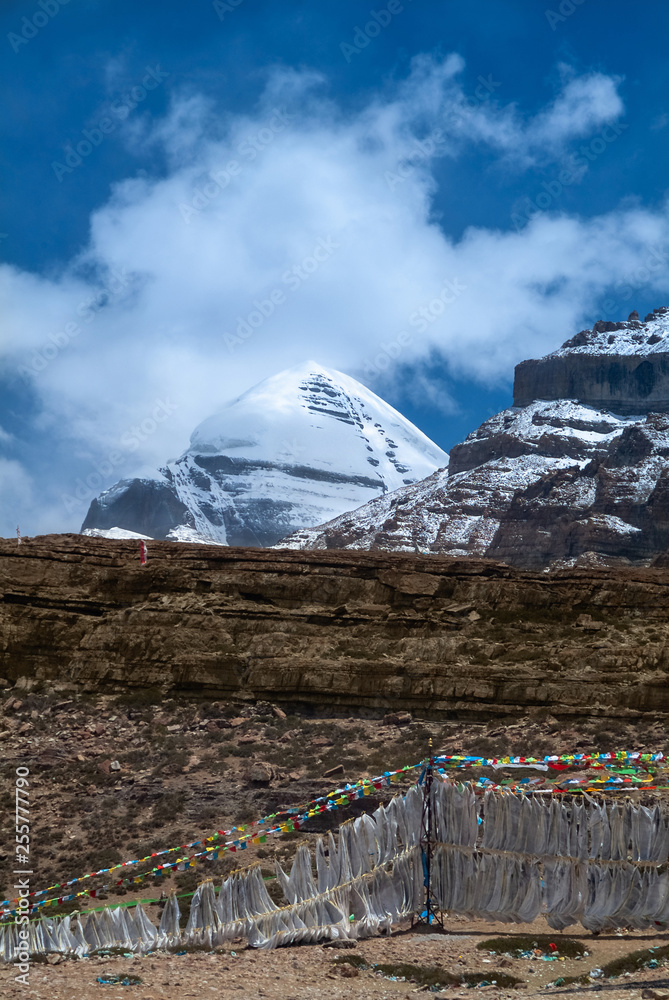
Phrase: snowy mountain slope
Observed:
(460, 510)
(297, 449)
(545, 484)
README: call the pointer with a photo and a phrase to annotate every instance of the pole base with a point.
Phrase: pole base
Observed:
(428, 921)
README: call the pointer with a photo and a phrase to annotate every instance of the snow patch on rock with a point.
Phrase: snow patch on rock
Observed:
(114, 533)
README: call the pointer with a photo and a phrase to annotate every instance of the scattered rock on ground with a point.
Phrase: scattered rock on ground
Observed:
(397, 719)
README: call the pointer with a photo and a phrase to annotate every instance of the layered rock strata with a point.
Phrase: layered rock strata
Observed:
(622, 367)
(337, 631)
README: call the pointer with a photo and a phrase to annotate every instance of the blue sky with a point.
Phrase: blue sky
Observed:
(487, 178)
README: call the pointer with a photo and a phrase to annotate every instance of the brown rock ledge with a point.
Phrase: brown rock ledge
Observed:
(345, 631)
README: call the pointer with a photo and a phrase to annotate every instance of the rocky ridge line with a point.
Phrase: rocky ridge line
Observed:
(554, 482)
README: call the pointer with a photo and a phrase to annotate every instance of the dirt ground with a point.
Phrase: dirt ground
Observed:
(315, 971)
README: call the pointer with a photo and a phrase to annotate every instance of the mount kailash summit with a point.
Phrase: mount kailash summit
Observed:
(298, 449)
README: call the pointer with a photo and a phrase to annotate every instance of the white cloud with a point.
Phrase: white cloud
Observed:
(585, 104)
(157, 308)
(16, 491)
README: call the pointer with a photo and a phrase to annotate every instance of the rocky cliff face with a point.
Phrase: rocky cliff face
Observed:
(622, 367)
(554, 482)
(344, 631)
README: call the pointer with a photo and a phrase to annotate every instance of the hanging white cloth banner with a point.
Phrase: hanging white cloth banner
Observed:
(499, 857)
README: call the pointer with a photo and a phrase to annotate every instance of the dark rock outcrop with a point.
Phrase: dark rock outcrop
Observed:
(146, 506)
(622, 367)
(622, 384)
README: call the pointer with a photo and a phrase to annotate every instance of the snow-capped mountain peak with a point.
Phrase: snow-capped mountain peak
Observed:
(295, 450)
(321, 419)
